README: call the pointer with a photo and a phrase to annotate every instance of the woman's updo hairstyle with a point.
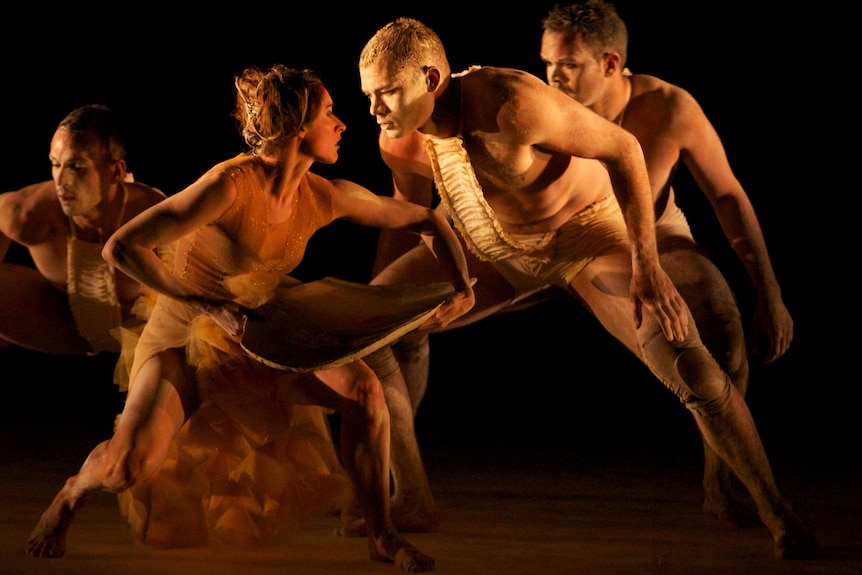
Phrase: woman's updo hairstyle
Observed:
(273, 105)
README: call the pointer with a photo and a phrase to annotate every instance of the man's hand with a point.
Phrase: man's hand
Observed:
(452, 309)
(773, 329)
(654, 290)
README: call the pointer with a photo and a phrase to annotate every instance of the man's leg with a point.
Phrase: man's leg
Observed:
(718, 321)
(690, 371)
(413, 354)
(404, 384)
(35, 315)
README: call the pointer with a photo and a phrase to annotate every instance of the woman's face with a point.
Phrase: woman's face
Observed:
(323, 133)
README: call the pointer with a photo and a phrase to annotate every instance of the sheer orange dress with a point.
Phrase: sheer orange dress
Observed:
(247, 462)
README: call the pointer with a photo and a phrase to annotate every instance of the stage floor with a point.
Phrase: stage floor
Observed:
(529, 483)
(516, 511)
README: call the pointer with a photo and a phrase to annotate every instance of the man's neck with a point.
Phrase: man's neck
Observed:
(445, 121)
(104, 219)
(612, 105)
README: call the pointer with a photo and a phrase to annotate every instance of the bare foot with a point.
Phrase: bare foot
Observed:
(396, 549)
(729, 511)
(726, 499)
(49, 537)
(795, 541)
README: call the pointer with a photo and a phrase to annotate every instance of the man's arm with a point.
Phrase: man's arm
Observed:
(705, 157)
(556, 121)
(30, 216)
(651, 287)
(5, 242)
(6, 217)
(412, 181)
(4, 246)
(361, 206)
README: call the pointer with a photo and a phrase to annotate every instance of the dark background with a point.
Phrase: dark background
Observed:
(547, 376)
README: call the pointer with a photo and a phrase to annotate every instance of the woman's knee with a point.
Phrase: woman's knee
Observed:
(126, 464)
(371, 390)
(360, 387)
(371, 399)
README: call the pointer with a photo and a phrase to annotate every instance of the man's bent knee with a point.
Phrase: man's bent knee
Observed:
(383, 363)
(725, 339)
(690, 372)
(411, 348)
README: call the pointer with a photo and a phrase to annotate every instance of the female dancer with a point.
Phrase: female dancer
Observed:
(238, 229)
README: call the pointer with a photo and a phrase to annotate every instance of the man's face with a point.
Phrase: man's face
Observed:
(571, 67)
(81, 175)
(400, 100)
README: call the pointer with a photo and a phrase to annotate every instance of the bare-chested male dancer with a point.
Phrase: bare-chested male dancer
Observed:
(514, 162)
(72, 302)
(584, 48)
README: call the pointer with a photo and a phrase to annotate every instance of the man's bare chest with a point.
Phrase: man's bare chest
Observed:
(504, 168)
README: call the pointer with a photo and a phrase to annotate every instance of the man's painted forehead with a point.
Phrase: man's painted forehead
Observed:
(80, 145)
(387, 75)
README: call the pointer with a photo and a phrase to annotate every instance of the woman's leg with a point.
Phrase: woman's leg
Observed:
(154, 412)
(355, 391)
